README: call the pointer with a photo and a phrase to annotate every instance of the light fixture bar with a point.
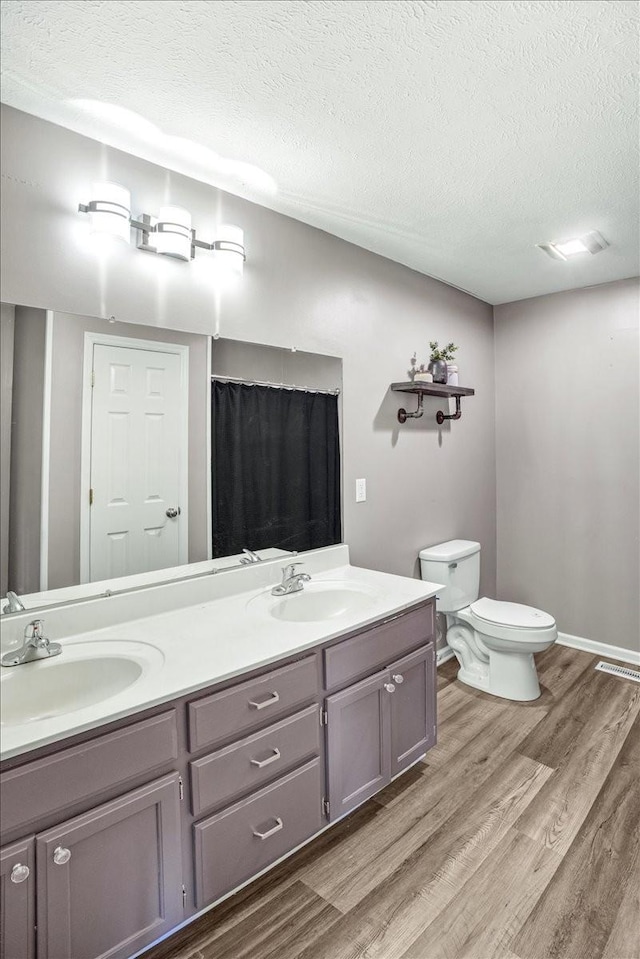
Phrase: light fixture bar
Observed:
(104, 206)
(168, 234)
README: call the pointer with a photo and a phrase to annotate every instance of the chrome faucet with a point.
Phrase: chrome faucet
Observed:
(14, 604)
(35, 646)
(292, 582)
(250, 557)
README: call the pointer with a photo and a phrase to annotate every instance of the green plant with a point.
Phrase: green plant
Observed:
(446, 353)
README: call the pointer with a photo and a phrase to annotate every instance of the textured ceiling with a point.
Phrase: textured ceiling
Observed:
(450, 136)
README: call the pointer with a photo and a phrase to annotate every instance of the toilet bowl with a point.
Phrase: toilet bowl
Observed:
(493, 641)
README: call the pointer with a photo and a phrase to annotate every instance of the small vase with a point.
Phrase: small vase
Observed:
(438, 368)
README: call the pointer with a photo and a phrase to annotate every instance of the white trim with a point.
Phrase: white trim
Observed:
(46, 451)
(443, 655)
(208, 467)
(600, 649)
(156, 346)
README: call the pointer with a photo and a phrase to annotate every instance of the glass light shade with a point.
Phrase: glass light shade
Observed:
(229, 258)
(173, 232)
(110, 211)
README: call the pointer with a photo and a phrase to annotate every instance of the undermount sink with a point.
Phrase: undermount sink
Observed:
(82, 675)
(319, 601)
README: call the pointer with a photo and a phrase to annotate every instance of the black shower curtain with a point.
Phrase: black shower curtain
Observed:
(275, 470)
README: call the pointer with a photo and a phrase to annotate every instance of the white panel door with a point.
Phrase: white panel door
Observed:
(138, 462)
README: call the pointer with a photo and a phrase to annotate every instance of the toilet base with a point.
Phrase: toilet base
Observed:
(505, 671)
(508, 675)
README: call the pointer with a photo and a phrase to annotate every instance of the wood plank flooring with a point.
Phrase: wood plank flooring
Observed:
(517, 838)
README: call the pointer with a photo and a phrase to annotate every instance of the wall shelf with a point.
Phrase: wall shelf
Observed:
(431, 389)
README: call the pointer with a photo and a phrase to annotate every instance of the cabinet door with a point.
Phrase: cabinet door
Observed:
(110, 881)
(358, 748)
(17, 900)
(413, 708)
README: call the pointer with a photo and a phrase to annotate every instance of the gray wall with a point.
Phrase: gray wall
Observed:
(266, 364)
(567, 398)
(302, 288)
(66, 427)
(29, 347)
(7, 320)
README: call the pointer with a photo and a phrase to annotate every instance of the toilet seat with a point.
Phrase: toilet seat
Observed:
(511, 615)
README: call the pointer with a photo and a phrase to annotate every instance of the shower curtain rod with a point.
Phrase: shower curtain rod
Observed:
(277, 386)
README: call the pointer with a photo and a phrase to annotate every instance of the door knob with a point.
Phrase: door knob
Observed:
(19, 873)
(61, 856)
(173, 511)
(390, 688)
(398, 678)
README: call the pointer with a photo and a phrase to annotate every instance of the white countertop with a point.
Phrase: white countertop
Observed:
(200, 643)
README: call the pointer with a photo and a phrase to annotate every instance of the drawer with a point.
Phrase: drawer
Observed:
(249, 764)
(247, 706)
(377, 647)
(73, 776)
(238, 842)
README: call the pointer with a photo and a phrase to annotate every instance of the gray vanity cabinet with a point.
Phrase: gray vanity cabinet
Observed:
(110, 881)
(413, 708)
(17, 900)
(378, 727)
(238, 842)
(115, 838)
(358, 749)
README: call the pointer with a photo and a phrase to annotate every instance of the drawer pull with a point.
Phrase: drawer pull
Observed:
(389, 687)
(61, 856)
(271, 701)
(19, 873)
(270, 832)
(398, 678)
(261, 763)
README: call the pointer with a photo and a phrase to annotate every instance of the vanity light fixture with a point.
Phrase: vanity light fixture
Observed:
(170, 233)
(592, 242)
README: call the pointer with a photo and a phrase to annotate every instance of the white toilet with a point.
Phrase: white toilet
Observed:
(494, 642)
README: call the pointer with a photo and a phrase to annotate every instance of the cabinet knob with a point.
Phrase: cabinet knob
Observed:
(61, 856)
(398, 678)
(390, 688)
(19, 873)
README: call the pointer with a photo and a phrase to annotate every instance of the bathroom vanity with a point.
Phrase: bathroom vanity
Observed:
(123, 819)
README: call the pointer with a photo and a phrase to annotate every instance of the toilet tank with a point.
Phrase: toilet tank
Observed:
(456, 565)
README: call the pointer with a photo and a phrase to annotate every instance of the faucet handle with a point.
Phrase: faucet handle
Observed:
(290, 570)
(34, 631)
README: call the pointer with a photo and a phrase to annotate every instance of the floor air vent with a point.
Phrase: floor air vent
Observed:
(622, 671)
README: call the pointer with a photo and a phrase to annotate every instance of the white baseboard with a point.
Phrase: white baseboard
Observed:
(600, 649)
(444, 654)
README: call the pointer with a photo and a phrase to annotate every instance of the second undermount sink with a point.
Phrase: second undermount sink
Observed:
(319, 601)
(82, 675)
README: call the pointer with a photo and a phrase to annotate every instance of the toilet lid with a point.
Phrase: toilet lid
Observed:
(511, 614)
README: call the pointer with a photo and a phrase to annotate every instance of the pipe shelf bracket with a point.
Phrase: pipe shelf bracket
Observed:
(431, 389)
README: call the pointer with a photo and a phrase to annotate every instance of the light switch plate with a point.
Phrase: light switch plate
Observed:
(361, 490)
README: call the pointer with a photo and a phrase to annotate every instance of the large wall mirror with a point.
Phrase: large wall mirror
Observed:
(128, 449)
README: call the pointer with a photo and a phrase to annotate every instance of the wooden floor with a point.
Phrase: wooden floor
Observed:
(518, 838)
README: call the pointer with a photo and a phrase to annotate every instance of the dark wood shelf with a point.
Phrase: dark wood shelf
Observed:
(432, 389)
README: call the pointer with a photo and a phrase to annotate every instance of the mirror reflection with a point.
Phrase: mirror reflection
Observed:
(129, 449)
